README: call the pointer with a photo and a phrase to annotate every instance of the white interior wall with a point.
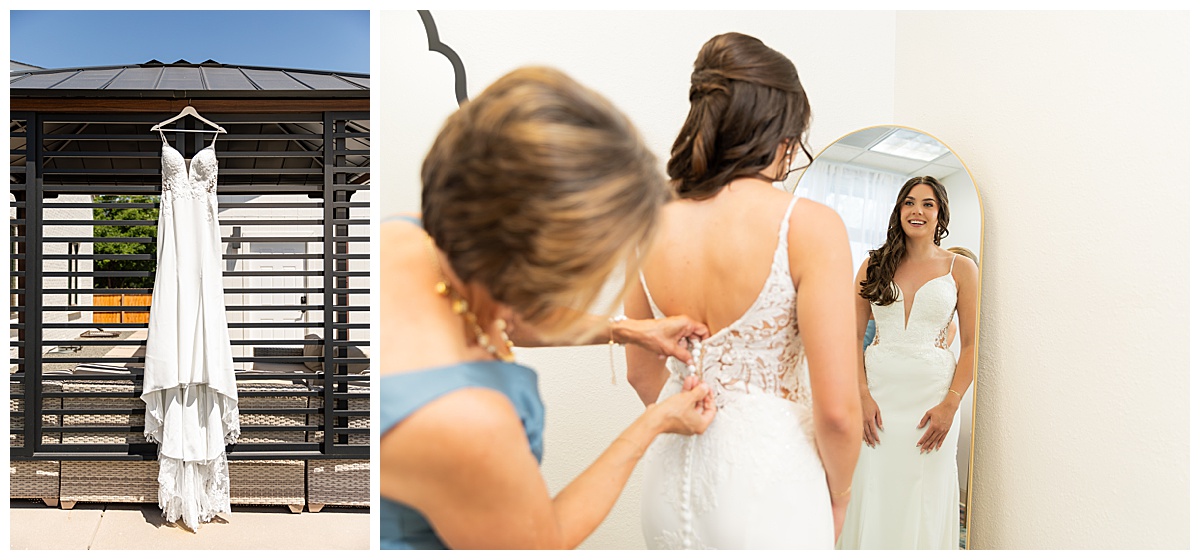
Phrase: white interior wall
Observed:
(1076, 128)
(964, 212)
(639, 60)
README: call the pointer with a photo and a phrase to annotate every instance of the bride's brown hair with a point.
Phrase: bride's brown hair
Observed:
(746, 99)
(883, 262)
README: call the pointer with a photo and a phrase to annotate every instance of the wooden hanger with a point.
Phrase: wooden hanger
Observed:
(188, 111)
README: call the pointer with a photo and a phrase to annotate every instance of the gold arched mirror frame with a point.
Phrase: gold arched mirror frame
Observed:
(863, 160)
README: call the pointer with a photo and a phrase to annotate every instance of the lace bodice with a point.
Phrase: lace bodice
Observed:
(927, 322)
(760, 353)
(181, 181)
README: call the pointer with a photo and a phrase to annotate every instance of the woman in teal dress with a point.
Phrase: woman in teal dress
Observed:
(534, 193)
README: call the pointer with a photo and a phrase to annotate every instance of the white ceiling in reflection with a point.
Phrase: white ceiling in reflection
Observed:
(855, 149)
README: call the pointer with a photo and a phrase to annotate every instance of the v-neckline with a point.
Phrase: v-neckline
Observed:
(908, 312)
(187, 163)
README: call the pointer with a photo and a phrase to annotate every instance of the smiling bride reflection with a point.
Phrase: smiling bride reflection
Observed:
(905, 493)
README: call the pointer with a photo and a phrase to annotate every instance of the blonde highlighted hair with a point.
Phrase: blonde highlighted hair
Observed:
(537, 189)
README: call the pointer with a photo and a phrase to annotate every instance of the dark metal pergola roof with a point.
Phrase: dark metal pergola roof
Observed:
(186, 79)
(15, 66)
(97, 119)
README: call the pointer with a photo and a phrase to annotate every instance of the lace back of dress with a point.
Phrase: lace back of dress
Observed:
(760, 352)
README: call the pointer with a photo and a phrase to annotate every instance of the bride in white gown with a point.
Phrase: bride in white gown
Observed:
(768, 273)
(906, 484)
(189, 386)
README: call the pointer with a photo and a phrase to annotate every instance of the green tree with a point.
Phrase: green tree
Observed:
(125, 248)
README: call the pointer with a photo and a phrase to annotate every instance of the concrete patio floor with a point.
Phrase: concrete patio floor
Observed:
(35, 526)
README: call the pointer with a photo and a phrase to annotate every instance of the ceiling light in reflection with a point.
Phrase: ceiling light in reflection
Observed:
(910, 144)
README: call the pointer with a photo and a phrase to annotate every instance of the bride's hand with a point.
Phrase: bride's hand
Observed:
(664, 337)
(871, 420)
(939, 419)
(689, 412)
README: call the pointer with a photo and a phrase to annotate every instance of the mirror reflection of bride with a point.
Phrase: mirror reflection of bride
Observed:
(905, 492)
(768, 274)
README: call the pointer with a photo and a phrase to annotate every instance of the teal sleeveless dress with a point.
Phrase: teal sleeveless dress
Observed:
(400, 526)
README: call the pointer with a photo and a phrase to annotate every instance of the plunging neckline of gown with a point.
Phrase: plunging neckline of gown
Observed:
(903, 298)
(187, 163)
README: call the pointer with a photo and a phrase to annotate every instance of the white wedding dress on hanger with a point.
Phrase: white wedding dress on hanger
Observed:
(902, 498)
(189, 387)
(754, 479)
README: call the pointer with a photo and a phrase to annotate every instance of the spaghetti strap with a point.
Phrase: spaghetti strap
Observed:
(787, 216)
(401, 218)
(654, 310)
(780, 264)
(952, 259)
(164, 137)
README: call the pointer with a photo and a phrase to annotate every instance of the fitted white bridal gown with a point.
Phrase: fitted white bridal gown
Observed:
(189, 386)
(903, 499)
(754, 479)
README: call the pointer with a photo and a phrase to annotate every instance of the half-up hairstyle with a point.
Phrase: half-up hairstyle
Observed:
(537, 189)
(746, 99)
(882, 263)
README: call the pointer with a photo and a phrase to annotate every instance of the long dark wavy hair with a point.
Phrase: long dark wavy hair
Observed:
(882, 263)
(746, 99)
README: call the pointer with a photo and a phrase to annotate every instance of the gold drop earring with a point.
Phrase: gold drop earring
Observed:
(462, 308)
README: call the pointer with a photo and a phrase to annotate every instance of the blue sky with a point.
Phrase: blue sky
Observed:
(315, 40)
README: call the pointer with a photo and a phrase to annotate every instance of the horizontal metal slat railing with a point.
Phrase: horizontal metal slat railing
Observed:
(295, 229)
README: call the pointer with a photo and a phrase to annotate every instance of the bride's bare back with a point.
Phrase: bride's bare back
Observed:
(711, 257)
